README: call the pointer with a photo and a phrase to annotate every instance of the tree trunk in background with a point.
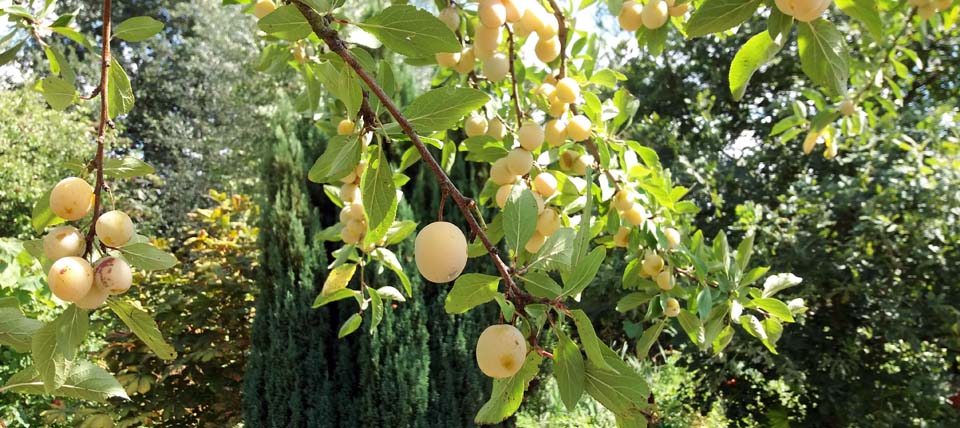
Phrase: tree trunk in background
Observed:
(418, 370)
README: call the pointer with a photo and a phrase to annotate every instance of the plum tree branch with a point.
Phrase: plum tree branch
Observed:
(321, 27)
(562, 35)
(102, 126)
(513, 77)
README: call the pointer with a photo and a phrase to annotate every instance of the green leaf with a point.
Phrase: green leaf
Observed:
(350, 325)
(704, 303)
(744, 251)
(58, 93)
(507, 394)
(143, 325)
(84, 381)
(866, 12)
(442, 108)
(583, 273)
(338, 278)
(16, 330)
(341, 81)
(137, 29)
(691, 325)
(391, 293)
(412, 32)
(779, 25)
(286, 23)
(582, 245)
(588, 338)
(753, 275)
(9, 54)
(617, 387)
(379, 197)
(469, 291)
(376, 308)
(399, 231)
(54, 346)
(650, 336)
(42, 216)
(120, 100)
(633, 300)
(568, 370)
(714, 16)
(519, 218)
(147, 257)
(126, 167)
(759, 50)
(774, 307)
(556, 252)
(74, 35)
(343, 293)
(823, 55)
(390, 260)
(341, 157)
(541, 285)
(779, 282)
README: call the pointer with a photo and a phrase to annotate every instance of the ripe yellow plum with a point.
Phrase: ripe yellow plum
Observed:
(629, 17)
(672, 308)
(114, 228)
(535, 243)
(70, 278)
(655, 14)
(63, 241)
(515, 9)
(652, 265)
(467, 61)
(496, 67)
(500, 174)
(487, 41)
(547, 48)
(475, 126)
(71, 198)
(345, 127)
(448, 59)
(349, 192)
(555, 132)
(519, 161)
(501, 351)
(450, 17)
(847, 107)
(634, 215)
(113, 274)
(263, 8)
(579, 128)
(93, 299)
(673, 237)
(492, 13)
(545, 184)
(622, 237)
(568, 90)
(665, 280)
(530, 135)
(548, 222)
(440, 252)
(496, 129)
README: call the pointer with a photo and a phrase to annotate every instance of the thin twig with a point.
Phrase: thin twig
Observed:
(562, 34)
(513, 77)
(102, 127)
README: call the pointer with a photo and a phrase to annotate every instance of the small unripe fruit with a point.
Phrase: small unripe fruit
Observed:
(679, 10)
(93, 299)
(500, 174)
(349, 192)
(555, 132)
(70, 278)
(519, 161)
(672, 308)
(496, 129)
(496, 67)
(665, 280)
(515, 9)
(114, 228)
(535, 243)
(579, 128)
(623, 200)
(654, 14)
(113, 275)
(63, 241)
(450, 18)
(492, 13)
(652, 265)
(487, 41)
(545, 184)
(568, 90)
(548, 222)
(501, 351)
(448, 59)
(71, 198)
(467, 60)
(847, 107)
(548, 49)
(630, 16)
(345, 127)
(475, 126)
(673, 237)
(440, 251)
(635, 215)
(502, 194)
(263, 8)
(558, 108)
(622, 237)
(530, 136)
